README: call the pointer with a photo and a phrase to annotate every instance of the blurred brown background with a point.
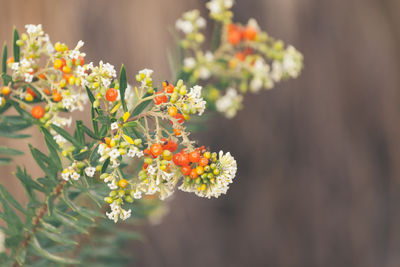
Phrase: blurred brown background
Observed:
(319, 171)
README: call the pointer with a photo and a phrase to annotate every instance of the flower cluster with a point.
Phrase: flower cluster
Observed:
(143, 129)
(244, 59)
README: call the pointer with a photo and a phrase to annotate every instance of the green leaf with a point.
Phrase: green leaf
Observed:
(69, 222)
(44, 162)
(6, 195)
(141, 106)
(58, 238)
(13, 222)
(79, 133)
(94, 157)
(90, 133)
(105, 165)
(6, 78)
(10, 151)
(50, 227)
(74, 207)
(90, 95)
(52, 147)
(36, 245)
(13, 135)
(81, 155)
(66, 135)
(130, 124)
(15, 46)
(5, 161)
(4, 59)
(123, 84)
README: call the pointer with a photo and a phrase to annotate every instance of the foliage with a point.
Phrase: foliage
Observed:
(137, 146)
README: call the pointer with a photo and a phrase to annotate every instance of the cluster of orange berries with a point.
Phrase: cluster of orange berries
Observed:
(199, 165)
(237, 34)
(164, 150)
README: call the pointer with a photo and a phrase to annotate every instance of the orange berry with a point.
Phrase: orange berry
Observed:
(193, 174)
(156, 149)
(241, 56)
(66, 69)
(250, 33)
(42, 76)
(123, 183)
(30, 91)
(10, 60)
(57, 97)
(46, 91)
(57, 64)
(194, 156)
(160, 99)
(234, 34)
(111, 94)
(203, 162)
(5, 90)
(169, 89)
(173, 111)
(37, 112)
(177, 132)
(185, 170)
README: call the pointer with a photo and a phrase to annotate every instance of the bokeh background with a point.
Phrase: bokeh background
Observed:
(319, 175)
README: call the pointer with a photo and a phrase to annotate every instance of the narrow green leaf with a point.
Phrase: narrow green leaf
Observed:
(69, 222)
(13, 135)
(90, 95)
(44, 162)
(75, 207)
(105, 165)
(141, 106)
(6, 195)
(6, 78)
(36, 245)
(15, 46)
(123, 84)
(4, 59)
(52, 146)
(89, 132)
(58, 238)
(50, 227)
(10, 151)
(5, 161)
(66, 135)
(95, 125)
(81, 155)
(131, 124)
(79, 133)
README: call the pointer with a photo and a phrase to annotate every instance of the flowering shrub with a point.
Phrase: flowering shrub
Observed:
(138, 143)
(241, 57)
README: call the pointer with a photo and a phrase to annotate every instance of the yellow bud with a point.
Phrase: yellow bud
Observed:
(29, 97)
(58, 47)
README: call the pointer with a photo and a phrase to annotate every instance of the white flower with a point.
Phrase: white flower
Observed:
(230, 103)
(114, 153)
(201, 22)
(80, 71)
(28, 78)
(75, 176)
(15, 66)
(114, 126)
(209, 56)
(125, 214)
(146, 72)
(59, 139)
(32, 29)
(74, 54)
(108, 69)
(151, 170)
(106, 82)
(113, 185)
(184, 25)
(26, 63)
(109, 178)
(65, 175)
(134, 151)
(204, 73)
(189, 62)
(90, 171)
(137, 195)
(194, 96)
